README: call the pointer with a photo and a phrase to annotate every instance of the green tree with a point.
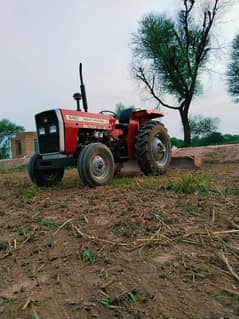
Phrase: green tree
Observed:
(233, 70)
(3, 151)
(169, 55)
(119, 107)
(213, 138)
(7, 126)
(202, 126)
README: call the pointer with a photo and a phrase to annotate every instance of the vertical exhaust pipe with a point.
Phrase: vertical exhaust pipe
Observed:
(82, 88)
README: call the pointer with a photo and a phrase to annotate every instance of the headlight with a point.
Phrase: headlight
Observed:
(52, 129)
(41, 131)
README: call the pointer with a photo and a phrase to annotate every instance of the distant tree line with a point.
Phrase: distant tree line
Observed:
(205, 132)
(214, 138)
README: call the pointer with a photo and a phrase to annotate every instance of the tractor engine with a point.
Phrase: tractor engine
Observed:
(67, 131)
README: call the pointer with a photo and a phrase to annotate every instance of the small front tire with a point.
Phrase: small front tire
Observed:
(96, 165)
(48, 177)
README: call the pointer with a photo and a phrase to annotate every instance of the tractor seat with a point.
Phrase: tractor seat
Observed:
(125, 115)
(124, 120)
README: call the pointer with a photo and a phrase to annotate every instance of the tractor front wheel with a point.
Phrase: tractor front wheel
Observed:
(46, 177)
(96, 165)
(153, 148)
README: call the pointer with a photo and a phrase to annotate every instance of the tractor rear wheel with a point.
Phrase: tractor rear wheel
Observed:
(153, 148)
(96, 165)
(48, 177)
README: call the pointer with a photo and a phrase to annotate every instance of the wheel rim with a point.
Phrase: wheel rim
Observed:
(99, 167)
(49, 175)
(159, 150)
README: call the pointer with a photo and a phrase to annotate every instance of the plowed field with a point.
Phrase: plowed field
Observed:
(142, 247)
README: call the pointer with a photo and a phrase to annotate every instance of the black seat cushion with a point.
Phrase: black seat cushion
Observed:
(125, 115)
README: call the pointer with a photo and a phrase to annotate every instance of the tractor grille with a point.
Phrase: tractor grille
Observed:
(48, 132)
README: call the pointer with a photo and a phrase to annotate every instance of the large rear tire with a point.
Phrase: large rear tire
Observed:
(96, 165)
(45, 178)
(153, 148)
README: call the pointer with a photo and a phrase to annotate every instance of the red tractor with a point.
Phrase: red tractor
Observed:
(96, 143)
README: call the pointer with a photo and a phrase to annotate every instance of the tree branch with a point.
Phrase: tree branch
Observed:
(141, 76)
(202, 50)
(208, 20)
(186, 29)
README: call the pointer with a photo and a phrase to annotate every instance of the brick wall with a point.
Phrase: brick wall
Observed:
(23, 145)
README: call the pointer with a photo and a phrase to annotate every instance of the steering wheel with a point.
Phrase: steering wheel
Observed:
(109, 112)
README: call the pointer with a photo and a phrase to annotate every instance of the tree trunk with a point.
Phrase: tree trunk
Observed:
(186, 126)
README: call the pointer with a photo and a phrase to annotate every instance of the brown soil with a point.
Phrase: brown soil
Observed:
(142, 247)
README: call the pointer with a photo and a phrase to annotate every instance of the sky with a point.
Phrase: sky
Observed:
(43, 42)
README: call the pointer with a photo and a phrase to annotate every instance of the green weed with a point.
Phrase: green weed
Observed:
(190, 184)
(34, 274)
(22, 232)
(47, 223)
(29, 194)
(110, 204)
(122, 212)
(21, 168)
(115, 231)
(133, 227)
(131, 297)
(51, 224)
(104, 302)
(33, 316)
(87, 255)
(121, 182)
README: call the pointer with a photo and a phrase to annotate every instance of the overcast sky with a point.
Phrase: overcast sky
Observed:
(42, 43)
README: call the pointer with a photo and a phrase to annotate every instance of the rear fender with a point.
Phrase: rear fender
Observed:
(144, 116)
(138, 119)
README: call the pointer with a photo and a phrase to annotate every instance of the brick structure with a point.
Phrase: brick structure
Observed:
(24, 144)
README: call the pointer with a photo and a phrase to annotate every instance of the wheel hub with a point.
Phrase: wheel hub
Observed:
(158, 149)
(98, 166)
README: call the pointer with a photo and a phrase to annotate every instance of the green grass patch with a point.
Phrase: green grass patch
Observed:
(190, 184)
(21, 168)
(121, 182)
(47, 223)
(28, 194)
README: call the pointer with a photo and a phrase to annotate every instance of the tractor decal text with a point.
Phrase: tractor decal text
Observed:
(86, 119)
(99, 127)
